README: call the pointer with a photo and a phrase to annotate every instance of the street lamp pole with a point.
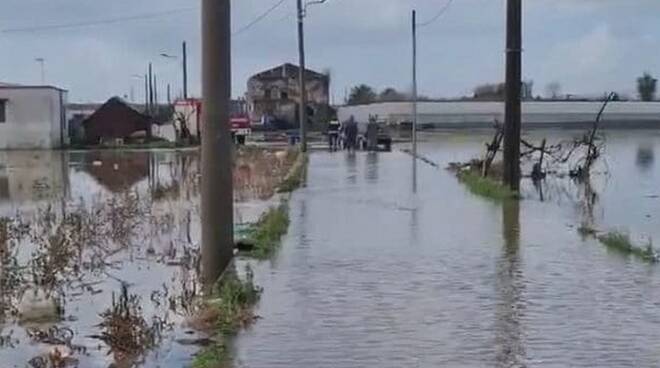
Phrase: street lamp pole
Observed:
(302, 112)
(185, 70)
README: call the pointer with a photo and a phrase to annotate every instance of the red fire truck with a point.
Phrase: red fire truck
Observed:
(191, 111)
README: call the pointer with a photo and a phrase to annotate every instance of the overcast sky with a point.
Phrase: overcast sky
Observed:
(588, 46)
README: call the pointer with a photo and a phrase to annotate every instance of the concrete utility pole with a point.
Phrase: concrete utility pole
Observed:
(302, 119)
(151, 89)
(146, 94)
(156, 107)
(185, 71)
(414, 83)
(414, 98)
(217, 186)
(513, 86)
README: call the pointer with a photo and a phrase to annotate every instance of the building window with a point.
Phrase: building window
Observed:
(3, 111)
(284, 95)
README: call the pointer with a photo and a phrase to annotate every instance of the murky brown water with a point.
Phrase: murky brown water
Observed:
(375, 275)
(371, 273)
(77, 227)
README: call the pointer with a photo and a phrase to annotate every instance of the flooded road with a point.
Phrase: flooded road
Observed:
(375, 274)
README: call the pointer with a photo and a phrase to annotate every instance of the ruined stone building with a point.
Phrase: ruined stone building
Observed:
(273, 96)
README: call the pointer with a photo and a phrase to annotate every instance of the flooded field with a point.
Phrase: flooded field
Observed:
(100, 255)
(376, 274)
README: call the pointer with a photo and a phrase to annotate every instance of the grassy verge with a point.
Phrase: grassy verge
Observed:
(622, 243)
(485, 186)
(230, 309)
(296, 177)
(231, 306)
(267, 233)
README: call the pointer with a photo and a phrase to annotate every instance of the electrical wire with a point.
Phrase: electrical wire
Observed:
(134, 18)
(258, 18)
(97, 22)
(437, 16)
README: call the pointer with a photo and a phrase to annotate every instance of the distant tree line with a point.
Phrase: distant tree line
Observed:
(365, 94)
(647, 87)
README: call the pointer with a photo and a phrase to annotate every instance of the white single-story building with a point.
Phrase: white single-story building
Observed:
(32, 117)
(475, 114)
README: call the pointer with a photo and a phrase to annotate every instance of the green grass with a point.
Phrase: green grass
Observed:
(296, 177)
(267, 233)
(485, 186)
(232, 307)
(622, 243)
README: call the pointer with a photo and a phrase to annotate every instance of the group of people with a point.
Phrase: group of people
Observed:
(343, 135)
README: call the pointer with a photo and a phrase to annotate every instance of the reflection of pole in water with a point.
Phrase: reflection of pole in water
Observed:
(372, 167)
(509, 336)
(414, 174)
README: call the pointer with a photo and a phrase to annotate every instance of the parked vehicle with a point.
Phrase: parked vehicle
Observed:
(188, 116)
(240, 128)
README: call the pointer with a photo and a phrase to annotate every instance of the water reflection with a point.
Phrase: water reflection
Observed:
(371, 172)
(351, 165)
(510, 339)
(118, 172)
(76, 226)
(33, 176)
(645, 157)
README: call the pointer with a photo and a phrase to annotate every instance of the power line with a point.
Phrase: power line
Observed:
(97, 22)
(133, 18)
(437, 16)
(259, 18)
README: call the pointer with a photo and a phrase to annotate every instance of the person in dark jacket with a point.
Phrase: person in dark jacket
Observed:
(351, 133)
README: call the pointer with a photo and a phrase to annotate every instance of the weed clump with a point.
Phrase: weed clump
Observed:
(266, 234)
(230, 310)
(296, 176)
(621, 242)
(485, 186)
(124, 328)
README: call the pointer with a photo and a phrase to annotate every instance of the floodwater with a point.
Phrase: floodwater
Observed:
(377, 273)
(94, 242)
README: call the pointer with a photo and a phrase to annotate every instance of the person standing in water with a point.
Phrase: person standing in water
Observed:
(351, 133)
(333, 135)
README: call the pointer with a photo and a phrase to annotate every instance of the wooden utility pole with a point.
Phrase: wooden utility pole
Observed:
(217, 186)
(185, 71)
(513, 86)
(302, 119)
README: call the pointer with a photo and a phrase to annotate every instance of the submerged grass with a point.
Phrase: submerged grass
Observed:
(296, 176)
(230, 309)
(621, 242)
(485, 186)
(267, 233)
